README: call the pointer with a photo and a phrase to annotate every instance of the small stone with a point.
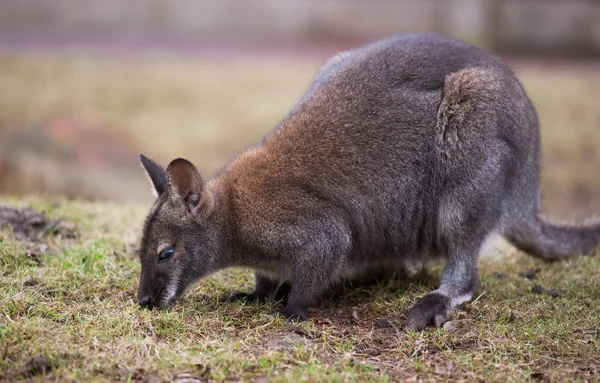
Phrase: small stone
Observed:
(531, 273)
(355, 318)
(383, 323)
(450, 326)
(150, 378)
(554, 294)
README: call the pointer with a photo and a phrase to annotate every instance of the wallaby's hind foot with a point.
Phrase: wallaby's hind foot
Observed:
(432, 310)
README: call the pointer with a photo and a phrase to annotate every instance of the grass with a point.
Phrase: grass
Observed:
(74, 308)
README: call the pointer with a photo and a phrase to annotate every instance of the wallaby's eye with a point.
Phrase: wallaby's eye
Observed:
(166, 253)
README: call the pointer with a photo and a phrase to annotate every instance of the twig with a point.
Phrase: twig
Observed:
(476, 299)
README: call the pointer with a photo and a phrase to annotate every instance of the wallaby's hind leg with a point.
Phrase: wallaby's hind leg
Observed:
(459, 281)
(264, 290)
(463, 227)
(471, 163)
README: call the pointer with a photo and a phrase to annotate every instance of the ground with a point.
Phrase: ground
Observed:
(68, 313)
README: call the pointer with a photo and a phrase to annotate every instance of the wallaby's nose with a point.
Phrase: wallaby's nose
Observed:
(145, 301)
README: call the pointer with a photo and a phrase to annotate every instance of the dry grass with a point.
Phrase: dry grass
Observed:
(73, 307)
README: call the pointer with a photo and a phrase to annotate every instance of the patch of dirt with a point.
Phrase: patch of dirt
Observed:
(139, 375)
(288, 340)
(186, 377)
(31, 281)
(395, 323)
(30, 225)
(149, 378)
(537, 376)
(38, 365)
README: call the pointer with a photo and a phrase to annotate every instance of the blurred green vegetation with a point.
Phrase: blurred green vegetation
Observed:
(208, 108)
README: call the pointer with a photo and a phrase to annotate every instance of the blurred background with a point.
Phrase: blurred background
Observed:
(85, 85)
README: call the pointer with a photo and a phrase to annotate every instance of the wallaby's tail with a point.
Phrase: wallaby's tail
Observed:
(547, 240)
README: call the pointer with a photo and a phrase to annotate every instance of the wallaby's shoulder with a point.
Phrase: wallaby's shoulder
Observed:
(247, 182)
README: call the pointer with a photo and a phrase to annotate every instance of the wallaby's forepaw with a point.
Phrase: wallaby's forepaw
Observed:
(246, 297)
(432, 310)
(283, 293)
(292, 314)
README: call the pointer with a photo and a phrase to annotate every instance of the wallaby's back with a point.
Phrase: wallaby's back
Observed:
(366, 142)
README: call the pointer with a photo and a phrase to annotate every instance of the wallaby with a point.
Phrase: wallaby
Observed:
(413, 147)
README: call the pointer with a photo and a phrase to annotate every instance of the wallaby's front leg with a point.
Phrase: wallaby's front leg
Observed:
(283, 293)
(459, 281)
(312, 252)
(306, 284)
(264, 290)
(314, 273)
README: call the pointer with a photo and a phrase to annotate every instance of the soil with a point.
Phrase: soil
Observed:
(30, 225)
(288, 341)
(38, 365)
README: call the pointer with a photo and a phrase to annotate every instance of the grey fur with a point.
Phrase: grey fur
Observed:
(413, 147)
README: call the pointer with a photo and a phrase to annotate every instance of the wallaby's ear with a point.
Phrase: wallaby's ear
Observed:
(155, 174)
(185, 181)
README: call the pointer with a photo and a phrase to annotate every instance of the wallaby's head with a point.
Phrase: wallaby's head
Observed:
(180, 239)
